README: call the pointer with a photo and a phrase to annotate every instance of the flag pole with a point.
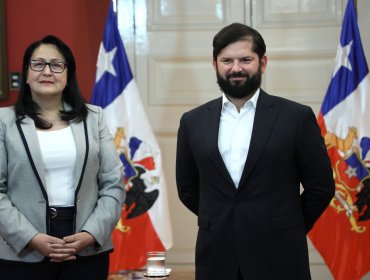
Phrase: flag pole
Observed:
(355, 3)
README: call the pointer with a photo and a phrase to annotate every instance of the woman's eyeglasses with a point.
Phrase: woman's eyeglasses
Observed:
(39, 65)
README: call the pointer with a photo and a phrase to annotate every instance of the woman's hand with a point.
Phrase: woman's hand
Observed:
(52, 247)
(79, 241)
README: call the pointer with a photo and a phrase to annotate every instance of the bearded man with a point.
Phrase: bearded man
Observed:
(241, 159)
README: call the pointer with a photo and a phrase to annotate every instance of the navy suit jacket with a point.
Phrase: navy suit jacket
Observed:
(259, 227)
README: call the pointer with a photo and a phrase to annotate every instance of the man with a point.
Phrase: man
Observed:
(240, 161)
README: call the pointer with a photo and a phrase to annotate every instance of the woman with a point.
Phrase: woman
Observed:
(61, 189)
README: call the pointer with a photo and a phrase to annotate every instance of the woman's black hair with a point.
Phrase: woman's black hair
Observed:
(238, 32)
(71, 93)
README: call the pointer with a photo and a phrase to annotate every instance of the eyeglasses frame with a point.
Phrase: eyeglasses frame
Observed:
(46, 64)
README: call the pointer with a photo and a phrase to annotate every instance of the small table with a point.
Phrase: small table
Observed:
(138, 274)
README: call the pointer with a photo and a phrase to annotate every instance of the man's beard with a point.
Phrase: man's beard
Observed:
(240, 89)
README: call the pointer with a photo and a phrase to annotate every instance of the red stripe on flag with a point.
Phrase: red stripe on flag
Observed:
(341, 258)
(133, 238)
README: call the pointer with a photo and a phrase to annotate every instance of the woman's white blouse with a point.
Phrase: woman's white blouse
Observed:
(58, 152)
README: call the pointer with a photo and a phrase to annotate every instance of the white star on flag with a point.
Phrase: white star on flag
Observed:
(342, 58)
(105, 62)
(351, 172)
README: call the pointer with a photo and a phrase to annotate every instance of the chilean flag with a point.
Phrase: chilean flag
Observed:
(342, 234)
(145, 223)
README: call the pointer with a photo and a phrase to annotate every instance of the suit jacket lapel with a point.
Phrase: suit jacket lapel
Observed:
(264, 120)
(81, 150)
(210, 130)
(30, 140)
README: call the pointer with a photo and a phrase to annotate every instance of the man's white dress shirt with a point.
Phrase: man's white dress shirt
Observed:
(235, 133)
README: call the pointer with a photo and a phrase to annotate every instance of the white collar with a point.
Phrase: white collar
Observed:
(253, 100)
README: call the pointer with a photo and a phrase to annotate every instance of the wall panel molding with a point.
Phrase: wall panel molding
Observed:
(297, 13)
(192, 14)
(181, 80)
(299, 76)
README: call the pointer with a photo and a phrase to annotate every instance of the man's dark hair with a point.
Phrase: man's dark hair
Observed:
(238, 32)
(71, 94)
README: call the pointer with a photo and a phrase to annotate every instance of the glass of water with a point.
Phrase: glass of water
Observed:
(156, 263)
